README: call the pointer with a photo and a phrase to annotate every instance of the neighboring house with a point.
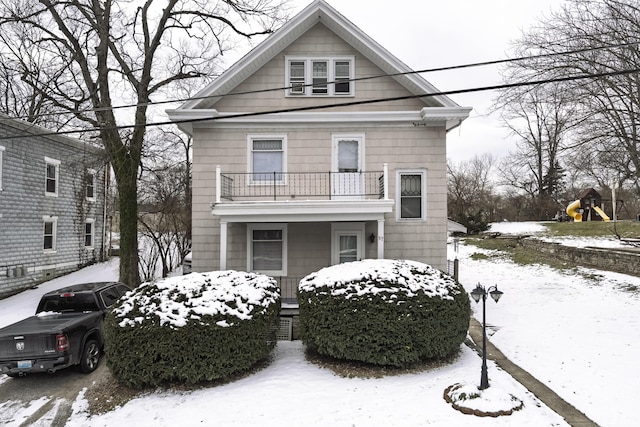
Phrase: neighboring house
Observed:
(52, 205)
(291, 192)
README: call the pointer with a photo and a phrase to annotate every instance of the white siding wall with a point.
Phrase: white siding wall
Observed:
(405, 147)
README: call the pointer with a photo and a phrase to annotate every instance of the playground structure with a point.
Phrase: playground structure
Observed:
(588, 207)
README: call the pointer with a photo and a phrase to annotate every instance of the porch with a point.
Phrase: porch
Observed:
(290, 224)
(301, 197)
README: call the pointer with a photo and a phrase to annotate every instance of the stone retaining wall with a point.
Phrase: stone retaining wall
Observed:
(619, 260)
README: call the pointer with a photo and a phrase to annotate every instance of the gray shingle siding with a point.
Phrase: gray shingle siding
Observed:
(23, 205)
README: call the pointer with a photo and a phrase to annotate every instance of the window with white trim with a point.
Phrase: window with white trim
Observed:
(320, 76)
(1, 160)
(347, 242)
(52, 175)
(411, 195)
(91, 184)
(267, 158)
(89, 232)
(50, 226)
(267, 249)
(342, 75)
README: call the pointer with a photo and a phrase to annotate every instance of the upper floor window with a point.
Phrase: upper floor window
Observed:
(267, 158)
(52, 174)
(1, 153)
(91, 184)
(411, 193)
(320, 76)
(50, 225)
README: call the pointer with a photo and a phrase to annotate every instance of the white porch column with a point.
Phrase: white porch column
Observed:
(380, 238)
(218, 184)
(223, 245)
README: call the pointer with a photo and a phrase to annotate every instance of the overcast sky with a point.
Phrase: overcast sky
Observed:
(436, 33)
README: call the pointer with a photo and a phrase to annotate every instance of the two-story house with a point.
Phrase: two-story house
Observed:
(317, 147)
(52, 205)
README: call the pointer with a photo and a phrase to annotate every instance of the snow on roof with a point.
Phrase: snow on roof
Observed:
(177, 300)
(380, 276)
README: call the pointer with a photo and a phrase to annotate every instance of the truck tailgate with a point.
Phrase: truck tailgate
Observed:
(36, 336)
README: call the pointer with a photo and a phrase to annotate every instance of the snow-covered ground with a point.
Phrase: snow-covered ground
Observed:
(538, 230)
(577, 332)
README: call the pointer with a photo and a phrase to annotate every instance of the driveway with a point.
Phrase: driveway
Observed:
(44, 399)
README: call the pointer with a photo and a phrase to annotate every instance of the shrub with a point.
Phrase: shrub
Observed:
(193, 328)
(383, 312)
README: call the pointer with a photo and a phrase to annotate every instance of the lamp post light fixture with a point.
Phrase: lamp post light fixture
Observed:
(481, 293)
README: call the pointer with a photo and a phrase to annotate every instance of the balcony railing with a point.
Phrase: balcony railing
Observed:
(301, 186)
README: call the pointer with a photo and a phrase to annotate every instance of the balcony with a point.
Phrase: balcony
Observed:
(300, 197)
(306, 186)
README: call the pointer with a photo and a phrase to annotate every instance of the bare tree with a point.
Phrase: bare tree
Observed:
(18, 99)
(540, 118)
(470, 192)
(102, 53)
(597, 38)
(165, 194)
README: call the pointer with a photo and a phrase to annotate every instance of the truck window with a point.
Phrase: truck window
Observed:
(109, 296)
(122, 289)
(72, 302)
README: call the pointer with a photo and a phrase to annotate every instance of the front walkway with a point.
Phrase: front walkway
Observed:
(571, 415)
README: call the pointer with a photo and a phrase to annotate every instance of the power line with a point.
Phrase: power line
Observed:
(427, 70)
(399, 74)
(346, 104)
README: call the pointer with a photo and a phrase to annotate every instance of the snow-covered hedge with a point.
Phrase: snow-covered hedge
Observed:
(193, 328)
(384, 312)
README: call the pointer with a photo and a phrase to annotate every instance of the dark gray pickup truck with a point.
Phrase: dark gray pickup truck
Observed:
(66, 331)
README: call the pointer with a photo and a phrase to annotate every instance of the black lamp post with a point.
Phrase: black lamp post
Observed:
(478, 293)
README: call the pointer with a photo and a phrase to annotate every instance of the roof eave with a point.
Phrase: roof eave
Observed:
(452, 116)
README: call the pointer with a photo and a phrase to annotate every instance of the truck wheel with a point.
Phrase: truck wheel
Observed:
(90, 357)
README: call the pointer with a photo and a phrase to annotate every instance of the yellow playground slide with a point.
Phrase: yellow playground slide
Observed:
(571, 211)
(604, 216)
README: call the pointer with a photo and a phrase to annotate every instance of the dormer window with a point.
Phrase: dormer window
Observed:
(296, 77)
(342, 77)
(320, 76)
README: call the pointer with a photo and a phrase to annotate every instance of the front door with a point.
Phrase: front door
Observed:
(347, 242)
(347, 179)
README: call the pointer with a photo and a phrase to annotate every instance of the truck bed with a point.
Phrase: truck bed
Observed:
(38, 334)
(43, 324)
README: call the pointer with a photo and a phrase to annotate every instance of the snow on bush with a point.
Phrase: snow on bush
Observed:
(384, 312)
(225, 295)
(193, 328)
(392, 278)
